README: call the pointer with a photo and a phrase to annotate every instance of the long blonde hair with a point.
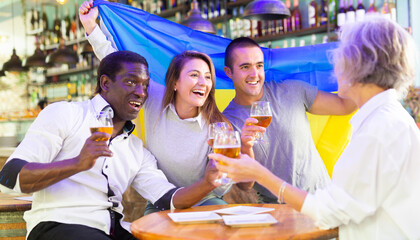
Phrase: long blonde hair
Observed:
(209, 109)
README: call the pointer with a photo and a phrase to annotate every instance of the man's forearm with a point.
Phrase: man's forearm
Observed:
(188, 196)
(37, 176)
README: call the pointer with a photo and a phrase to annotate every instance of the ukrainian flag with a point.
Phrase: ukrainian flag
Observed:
(159, 40)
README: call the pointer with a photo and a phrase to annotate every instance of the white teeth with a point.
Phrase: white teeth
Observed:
(253, 83)
(136, 103)
(201, 92)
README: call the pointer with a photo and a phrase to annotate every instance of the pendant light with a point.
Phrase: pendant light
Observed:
(266, 10)
(14, 64)
(196, 22)
(38, 58)
(63, 55)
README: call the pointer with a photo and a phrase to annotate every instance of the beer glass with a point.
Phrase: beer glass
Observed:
(227, 143)
(104, 124)
(261, 111)
(214, 128)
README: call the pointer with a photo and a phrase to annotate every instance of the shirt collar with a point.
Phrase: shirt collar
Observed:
(371, 105)
(199, 119)
(99, 104)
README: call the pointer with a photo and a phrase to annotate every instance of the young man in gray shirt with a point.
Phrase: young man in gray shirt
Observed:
(288, 151)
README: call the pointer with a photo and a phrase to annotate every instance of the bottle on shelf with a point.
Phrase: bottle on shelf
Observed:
(351, 12)
(56, 29)
(67, 23)
(37, 20)
(44, 20)
(33, 19)
(332, 9)
(385, 10)
(372, 8)
(232, 24)
(279, 27)
(360, 11)
(204, 9)
(217, 10)
(287, 22)
(323, 13)
(296, 18)
(341, 14)
(210, 9)
(313, 14)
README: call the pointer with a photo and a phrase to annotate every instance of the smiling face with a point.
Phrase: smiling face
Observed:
(193, 87)
(127, 92)
(247, 74)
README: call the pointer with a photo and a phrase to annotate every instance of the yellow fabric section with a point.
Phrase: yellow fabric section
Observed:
(330, 133)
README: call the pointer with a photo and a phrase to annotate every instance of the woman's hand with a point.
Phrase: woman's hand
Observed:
(242, 169)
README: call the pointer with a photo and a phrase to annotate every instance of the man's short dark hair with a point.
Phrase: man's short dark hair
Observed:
(237, 43)
(112, 64)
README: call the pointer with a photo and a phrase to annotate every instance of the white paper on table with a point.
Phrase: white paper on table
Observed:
(26, 198)
(251, 220)
(241, 210)
(194, 217)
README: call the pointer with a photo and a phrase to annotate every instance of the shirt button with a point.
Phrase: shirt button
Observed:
(106, 166)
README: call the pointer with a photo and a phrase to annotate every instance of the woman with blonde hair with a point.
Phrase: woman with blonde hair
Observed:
(373, 193)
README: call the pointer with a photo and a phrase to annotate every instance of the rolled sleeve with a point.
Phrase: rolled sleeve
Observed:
(150, 182)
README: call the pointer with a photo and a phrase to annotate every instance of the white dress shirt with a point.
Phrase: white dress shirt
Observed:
(58, 133)
(374, 193)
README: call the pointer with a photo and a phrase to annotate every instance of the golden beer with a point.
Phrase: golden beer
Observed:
(263, 121)
(102, 129)
(228, 151)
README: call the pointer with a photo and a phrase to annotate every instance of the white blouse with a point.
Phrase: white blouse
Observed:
(374, 193)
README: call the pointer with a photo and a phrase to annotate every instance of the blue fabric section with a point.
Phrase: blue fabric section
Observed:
(10, 171)
(159, 40)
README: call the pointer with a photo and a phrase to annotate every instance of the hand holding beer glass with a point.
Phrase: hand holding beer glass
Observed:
(227, 143)
(261, 111)
(104, 124)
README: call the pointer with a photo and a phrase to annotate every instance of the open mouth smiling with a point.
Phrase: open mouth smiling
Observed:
(199, 92)
(136, 105)
(253, 82)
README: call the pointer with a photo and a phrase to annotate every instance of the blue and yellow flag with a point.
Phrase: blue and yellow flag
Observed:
(159, 40)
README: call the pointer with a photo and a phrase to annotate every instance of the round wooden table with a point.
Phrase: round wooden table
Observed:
(12, 225)
(291, 225)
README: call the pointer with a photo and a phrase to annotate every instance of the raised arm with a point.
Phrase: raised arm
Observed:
(331, 104)
(101, 45)
(37, 176)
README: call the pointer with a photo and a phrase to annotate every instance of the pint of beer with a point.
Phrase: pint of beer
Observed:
(104, 124)
(261, 111)
(102, 129)
(227, 143)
